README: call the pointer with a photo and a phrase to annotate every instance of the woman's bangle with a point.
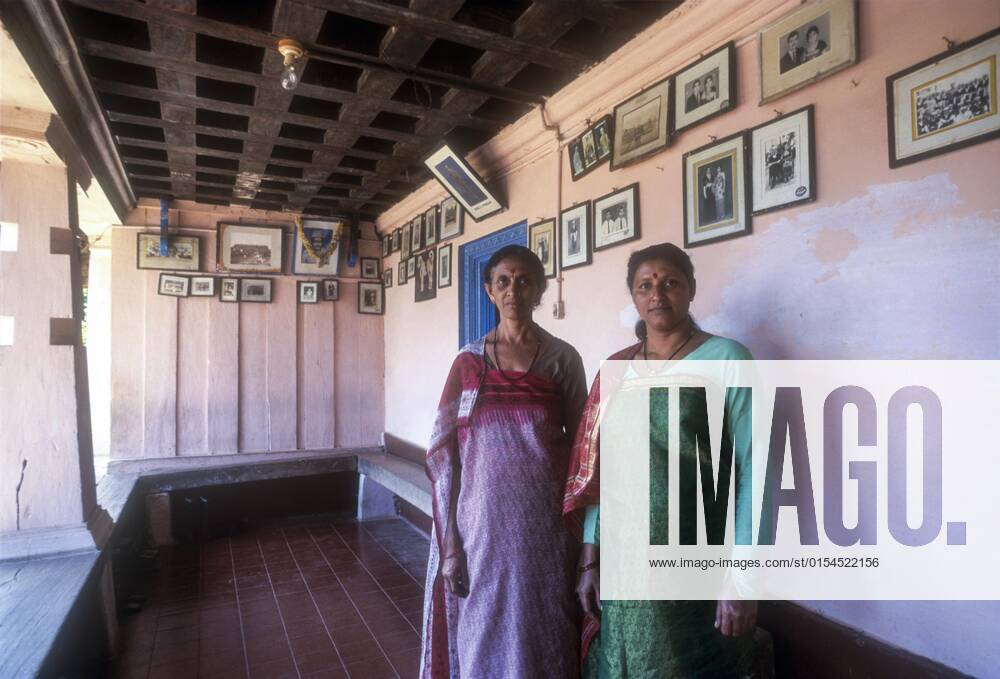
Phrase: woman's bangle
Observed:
(590, 566)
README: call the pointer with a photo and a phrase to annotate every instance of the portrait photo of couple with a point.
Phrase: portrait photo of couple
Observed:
(805, 43)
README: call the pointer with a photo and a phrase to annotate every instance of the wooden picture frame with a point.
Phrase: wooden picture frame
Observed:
(173, 285)
(229, 290)
(782, 157)
(308, 292)
(452, 220)
(323, 235)
(202, 286)
(183, 254)
(705, 89)
(370, 267)
(925, 121)
(542, 241)
(716, 208)
(790, 58)
(444, 266)
(256, 290)
(249, 248)
(371, 298)
(331, 289)
(641, 125)
(575, 245)
(463, 183)
(615, 218)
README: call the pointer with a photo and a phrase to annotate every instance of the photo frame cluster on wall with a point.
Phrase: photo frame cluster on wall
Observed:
(591, 148)
(423, 258)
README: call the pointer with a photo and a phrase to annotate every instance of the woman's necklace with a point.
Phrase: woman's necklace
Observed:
(496, 359)
(645, 354)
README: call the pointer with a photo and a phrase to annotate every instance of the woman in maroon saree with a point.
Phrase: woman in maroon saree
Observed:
(499, 596)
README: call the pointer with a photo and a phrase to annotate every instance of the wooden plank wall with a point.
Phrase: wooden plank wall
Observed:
(196, 376)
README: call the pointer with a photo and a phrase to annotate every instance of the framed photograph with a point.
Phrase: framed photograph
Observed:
(387, 244)
(810, 43)
(431, 226)
(371, 298)
(256, 249)
(396, 239)
(616, 217)
(574, 236)
(452, 219)
(542, 241)
(387, 277)
(576, 166)
(462, 182)
(426, 278)
(589, 149)
(782, 158)
(316, 247)
(369, 267)
(406, 240)
(416, 234)
(411, 268)
(402, 272)
(308, 292)
(444, 266)
(255, 290)
(641, 126)
(183, 253)
(706, 88)
(716, 202)
(331, 290)
(229, 290)
(173, 285)
(203, 286)
(945, 103)
(602, 137)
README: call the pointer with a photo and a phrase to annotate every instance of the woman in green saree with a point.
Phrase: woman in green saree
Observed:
(654, 639)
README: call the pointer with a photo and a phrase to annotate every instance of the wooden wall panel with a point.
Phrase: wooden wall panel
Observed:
(282, 332)
(254, 394)
(223, 398)
(160, 370)
(193, 329)
(316, 376)
(127, 347)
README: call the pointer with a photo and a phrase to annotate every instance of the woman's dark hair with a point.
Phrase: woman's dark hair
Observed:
(665, 252)
(523, 255)
(812, 29)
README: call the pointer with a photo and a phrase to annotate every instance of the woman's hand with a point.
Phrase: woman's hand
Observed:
(734, 618)
(588, 585)
(455, 572)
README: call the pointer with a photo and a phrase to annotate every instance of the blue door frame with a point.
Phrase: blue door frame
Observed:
(475, 311)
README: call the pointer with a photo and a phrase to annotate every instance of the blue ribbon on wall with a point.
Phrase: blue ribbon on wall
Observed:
(163, 226)
(352, 245)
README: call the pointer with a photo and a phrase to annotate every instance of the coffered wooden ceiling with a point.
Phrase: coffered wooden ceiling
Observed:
(191, 88)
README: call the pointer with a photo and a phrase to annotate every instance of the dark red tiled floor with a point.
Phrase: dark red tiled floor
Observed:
(303, 598)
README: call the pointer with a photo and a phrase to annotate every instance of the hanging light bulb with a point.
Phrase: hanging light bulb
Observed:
(292, 51)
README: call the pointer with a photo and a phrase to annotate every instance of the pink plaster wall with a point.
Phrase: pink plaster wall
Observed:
(886, 264)
(196, 376)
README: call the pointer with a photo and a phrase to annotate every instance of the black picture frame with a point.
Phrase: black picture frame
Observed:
(373, 287)
(810, 194)
(302, 289)
(330, 288)
(725, 105)
(895, 160)
(443, 208)
(268, 286)
(743, 136)
(387, 244)
(635, 221)
(658, 144)
(430, 218)
(197, 279)
(229, 283)
(370, 267)
(492, 203)
(401, 274)
(426, 260)
(542, 241)
(185, 281)
(387, 277)
(586, 234)
(397, 235)
(444, 273)
(416, 234)
(148, 238)
(576, 149)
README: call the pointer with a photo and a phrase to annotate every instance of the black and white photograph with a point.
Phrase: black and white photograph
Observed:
(425, 280)
(574, 236)
(782, 161)
(416, 234)
(407, 247)
(616, 217)
(944, 103)
(444, 266)
(370, 267)
(242, 247)
(411, 268)
(371, 298)
(316, 247)
(172, 285)
(387, 277)
(396, 239)
(462, 182)
(589, 149)
(387, 244)
(431, 226)
(229, 289)
(706, 88)
(203, 286)
(577, 168)
(451, 218)
(401, 274)
(308, 292)
(641, 125)
(808, 44)
(331, 290)
(602, 137)
(716, 200)
(542, 241)
(183, 253)
(255, 290)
